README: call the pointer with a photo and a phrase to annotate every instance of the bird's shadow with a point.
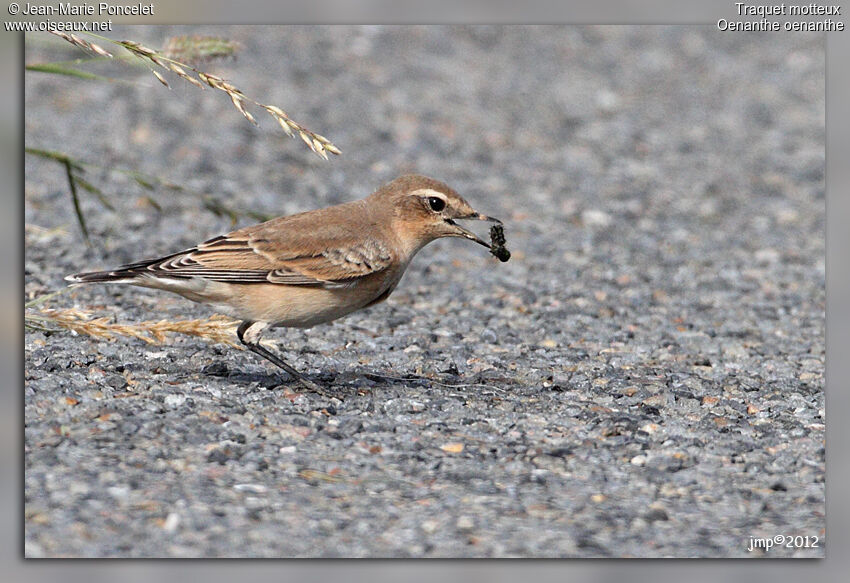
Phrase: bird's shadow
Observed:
(347, 383)
(337, 385)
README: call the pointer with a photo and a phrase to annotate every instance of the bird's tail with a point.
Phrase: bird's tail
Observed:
(116, 276)
(124, 274)
(130, 273)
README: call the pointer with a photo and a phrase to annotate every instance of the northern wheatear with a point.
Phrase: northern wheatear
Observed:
(312, 267)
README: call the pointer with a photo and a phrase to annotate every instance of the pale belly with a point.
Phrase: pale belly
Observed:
(282, 305)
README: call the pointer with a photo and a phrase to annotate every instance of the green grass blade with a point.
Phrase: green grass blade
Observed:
(89, 187)
(57, 69)
(72, 183)
(41, 299)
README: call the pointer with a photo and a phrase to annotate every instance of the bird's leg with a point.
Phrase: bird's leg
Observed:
(249, 334)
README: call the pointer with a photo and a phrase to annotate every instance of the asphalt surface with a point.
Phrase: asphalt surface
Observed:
(643, 378)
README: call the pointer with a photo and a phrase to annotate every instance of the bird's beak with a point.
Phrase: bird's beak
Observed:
(469, 234)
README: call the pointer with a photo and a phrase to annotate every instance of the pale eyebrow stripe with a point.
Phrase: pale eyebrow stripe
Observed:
(429, 192)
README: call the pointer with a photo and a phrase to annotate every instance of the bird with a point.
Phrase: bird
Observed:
(313, 267)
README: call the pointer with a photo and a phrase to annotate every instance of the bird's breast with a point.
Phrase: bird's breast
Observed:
(306, 306)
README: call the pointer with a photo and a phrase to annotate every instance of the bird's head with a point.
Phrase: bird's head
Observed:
(424, 209)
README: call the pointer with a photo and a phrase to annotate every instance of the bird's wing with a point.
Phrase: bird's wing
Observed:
(295, 250)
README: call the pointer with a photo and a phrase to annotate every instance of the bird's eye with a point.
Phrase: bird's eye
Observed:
(436, 203)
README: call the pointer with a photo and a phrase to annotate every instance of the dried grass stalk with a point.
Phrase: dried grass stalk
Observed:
(160, 59)
(216, 330)
(82, 43)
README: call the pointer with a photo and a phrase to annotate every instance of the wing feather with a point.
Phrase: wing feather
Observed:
(323, 248)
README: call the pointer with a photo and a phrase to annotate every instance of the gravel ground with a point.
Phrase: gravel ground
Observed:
(643, 378)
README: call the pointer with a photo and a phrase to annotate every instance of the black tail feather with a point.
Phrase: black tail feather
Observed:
(122, 273)
(101, 276)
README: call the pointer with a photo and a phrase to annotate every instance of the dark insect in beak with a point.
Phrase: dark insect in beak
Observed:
(497, 235)
(497, 243)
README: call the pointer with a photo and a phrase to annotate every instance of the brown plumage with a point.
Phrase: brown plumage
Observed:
(308, 268)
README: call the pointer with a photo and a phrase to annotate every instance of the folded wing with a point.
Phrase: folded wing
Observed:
(310, 249)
